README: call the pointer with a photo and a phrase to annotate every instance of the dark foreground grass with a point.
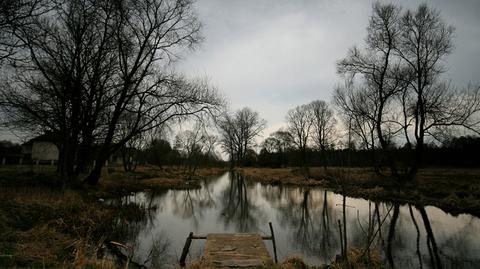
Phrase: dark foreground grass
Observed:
(44, 228)
(453, 190)
(355, 260)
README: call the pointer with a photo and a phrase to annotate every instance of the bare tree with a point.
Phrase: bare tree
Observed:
(323, 127)
(299, 125)
(228, 137)
(358, 107)
(424, 42)
(400, 73)
(13, 14)
(380, 70)
(284, 138)
(94, 62)
(192, 144)
(278, 143)
(239, 131)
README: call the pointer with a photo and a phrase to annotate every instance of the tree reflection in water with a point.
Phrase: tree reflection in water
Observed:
(130, 231)
(419, 253)
(431, 244)
(396, 243)
(391, 234)
(238, 209)
(311, 219)
(189, 204)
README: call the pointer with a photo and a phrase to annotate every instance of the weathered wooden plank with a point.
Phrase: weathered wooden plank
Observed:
(236, 251)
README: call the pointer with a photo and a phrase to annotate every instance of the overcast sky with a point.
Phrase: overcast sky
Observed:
(272, 55)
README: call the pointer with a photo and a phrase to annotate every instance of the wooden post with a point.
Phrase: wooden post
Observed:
(341, 237)
(186, 247)
(273, 241)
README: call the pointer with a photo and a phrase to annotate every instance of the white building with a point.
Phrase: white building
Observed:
(41, 148)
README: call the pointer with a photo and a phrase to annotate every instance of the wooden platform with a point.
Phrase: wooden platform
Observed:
(236, 251)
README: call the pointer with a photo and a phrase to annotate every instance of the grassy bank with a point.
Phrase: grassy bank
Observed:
(145, 178)
(454, 190)
(42, 226)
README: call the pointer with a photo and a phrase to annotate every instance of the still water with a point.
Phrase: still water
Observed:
(305, 222)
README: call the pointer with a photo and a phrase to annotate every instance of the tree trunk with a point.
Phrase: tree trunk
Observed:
(324, 157)
(94, 176)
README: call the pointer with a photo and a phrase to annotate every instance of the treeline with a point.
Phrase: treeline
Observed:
(158, 152)
(161, 153)
(458, 152)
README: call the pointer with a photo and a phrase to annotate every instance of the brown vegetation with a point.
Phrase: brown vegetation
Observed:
(355, 261)
(115, 181)
(47, 228)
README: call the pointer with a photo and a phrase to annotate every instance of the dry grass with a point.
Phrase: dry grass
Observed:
(116, 181)
(356, 260)
(289, 263)
(287, 176)
(45, 228)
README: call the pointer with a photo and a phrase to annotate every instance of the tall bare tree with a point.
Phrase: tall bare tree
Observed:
(401, 73)
(426, 39)
(377, 65)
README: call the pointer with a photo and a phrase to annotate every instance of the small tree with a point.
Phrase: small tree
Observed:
(358, 110)
(299, 125)
(238, 133)
(195, 145)
(323, 127)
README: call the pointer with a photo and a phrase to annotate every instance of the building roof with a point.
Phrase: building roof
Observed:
(47, 137)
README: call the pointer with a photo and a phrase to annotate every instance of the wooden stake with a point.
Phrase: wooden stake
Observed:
(341, 237)
(273, 241)
(186, 247)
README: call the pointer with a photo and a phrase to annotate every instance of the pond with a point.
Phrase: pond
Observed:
(305, 223)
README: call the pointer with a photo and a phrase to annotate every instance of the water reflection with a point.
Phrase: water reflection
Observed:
(306, 224)
(238, 209)
(310, 216)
